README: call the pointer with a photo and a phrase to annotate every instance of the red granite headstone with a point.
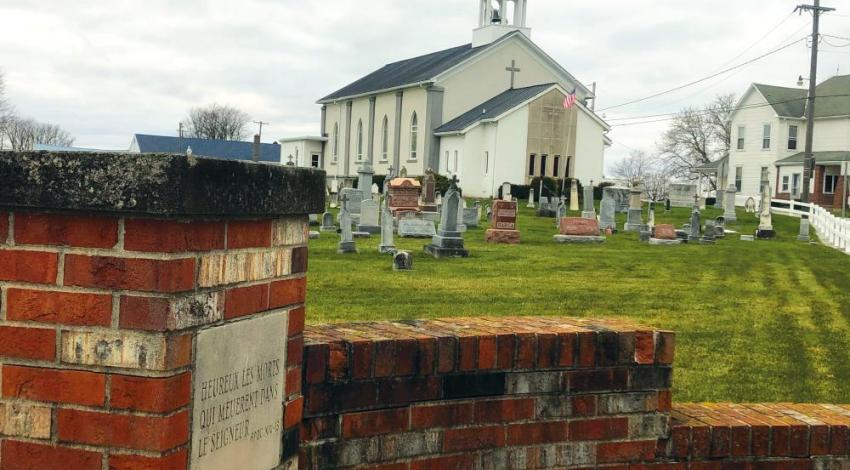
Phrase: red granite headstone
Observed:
(580, 227)
(665, 232)
(504, 227)
(404, 195)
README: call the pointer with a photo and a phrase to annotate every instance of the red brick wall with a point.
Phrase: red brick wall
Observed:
(80, 295)
(827, 200)
(535, 393)
(498, 393)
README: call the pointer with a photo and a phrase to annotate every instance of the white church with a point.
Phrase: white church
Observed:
(491, 111)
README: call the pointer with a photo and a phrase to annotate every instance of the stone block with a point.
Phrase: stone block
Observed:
(290, 231)
(25, 420)
(243, 266)
(125, 349)
(579, 227)
(579, 239)
(532, 382)
(665, 232)
(506, 237)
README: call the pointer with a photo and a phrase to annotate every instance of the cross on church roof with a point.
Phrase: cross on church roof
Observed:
(513, 69)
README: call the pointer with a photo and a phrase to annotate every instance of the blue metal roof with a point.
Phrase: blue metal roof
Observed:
(406, 72)
(493, 108)
(224, 149)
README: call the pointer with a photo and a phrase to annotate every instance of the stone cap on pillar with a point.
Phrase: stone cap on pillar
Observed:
(166, 185)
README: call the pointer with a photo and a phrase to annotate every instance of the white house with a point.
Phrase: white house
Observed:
(305, 151)
(490, 111)
(768, 139)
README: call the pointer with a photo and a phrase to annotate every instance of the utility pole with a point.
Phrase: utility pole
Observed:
(261, 124)
(809, 160)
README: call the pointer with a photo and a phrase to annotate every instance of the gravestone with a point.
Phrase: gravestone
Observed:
(376, 191)
(448, 242)
(547, 207)
(369, 217)
(429, 192)
(387, 242)
(668, 206)
(719, 198)
(621, 198)
(328, 223)
(561, 212)
(709, 234)
(804, 230)
(313, 235)
(403, 172)
(461, 225)
(404, 195)
(750, 206)
(765, 230)
(354, 198)
(506, 192)
(579, 230)
(694, 227)
(574, 195)
(682, 194)
(651, 220)
(346, 242)
(635, 218)
(415, 227)
(589, 211)
(748, 238)
(472, 215)
(729, 209)
(664, 235)
(720, 227)
(608, 210)
(503, 228)
(530, 199)
(364, 179)
(314, 219)
(403, 261)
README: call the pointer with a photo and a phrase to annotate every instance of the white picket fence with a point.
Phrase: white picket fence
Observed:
(833, 231)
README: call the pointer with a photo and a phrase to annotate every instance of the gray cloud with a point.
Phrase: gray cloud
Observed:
(105, 70)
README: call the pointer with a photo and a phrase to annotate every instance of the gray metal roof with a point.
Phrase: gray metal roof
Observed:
(226, 149)
(406, 72)
(833, 98)
(493, 107)
(820, 158)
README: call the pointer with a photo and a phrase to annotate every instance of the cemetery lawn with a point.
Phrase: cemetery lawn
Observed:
(755, 322)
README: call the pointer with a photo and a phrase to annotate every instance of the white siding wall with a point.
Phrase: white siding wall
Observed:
(511, 144)
(752, 158)
(590, 149)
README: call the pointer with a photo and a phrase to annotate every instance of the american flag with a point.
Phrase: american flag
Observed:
(570, 100)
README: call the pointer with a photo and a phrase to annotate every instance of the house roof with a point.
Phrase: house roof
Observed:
(224, 149)
(787, 102)
(830, 105)
(820, 157)
(493, 108)
(713, 166)
(406, 72)
(833, 98)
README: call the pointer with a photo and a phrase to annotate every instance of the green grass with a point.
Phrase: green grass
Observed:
(764, 321)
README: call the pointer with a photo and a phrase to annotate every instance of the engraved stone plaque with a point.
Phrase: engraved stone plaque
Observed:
(237, 415)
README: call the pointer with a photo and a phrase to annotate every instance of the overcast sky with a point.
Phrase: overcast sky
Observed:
(106, 69)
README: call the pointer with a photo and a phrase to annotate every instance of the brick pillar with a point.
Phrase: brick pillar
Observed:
(124, 279)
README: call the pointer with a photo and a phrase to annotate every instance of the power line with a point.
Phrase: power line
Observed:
(672, 116)
(656, 95)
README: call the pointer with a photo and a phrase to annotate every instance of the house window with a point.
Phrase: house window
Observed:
(795, 183)
(741, 136)
(543, 165)
(830, 180)
(385, 138)
(792, 137)
(456, 159)
(414, 135)
(739, 176)
(336, 141)
(315, 160)
(296, 157)
(569, 165)
(360, 140)
(448, 168)
(486, 162)
(786, 181)
(765, 176)
(531, 161)
(765, 141)
(557, 168)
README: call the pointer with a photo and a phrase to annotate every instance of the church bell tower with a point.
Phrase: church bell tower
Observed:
(497, 18)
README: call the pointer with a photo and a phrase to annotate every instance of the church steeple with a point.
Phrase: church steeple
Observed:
(499, 17)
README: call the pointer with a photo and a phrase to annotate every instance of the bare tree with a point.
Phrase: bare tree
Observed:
(697, 137)
(7, 112)
(217, 121)
(647, 171)
(24, 134)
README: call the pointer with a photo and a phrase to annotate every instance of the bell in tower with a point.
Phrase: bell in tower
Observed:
(494, 20)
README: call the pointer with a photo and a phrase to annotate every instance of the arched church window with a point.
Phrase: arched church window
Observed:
(336, 141)
(414, 135)
(360, 140)
(385, 138)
